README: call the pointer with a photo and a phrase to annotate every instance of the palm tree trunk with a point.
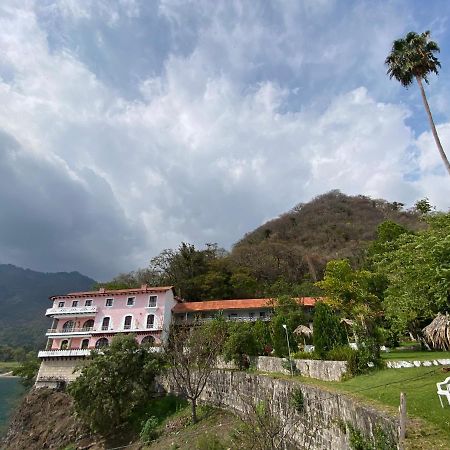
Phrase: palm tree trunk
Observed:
(433, 128)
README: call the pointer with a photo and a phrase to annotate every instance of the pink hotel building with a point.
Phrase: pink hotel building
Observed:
(83, 321)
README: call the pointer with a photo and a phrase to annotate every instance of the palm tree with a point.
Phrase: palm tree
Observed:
(413, 58)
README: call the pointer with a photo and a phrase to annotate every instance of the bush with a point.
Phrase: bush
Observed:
(240, 344)
(148, 432)
(328, 332)
(341, 353)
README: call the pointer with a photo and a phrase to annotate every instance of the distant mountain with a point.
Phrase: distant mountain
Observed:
(24, 298)
(299, 243)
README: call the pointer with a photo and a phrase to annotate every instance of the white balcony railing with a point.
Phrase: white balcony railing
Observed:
(192, 320)
(68, 310)
(73, 330)
(101, 329)
(55, 353)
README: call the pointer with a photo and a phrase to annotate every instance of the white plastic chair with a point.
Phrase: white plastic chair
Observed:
(443, 390)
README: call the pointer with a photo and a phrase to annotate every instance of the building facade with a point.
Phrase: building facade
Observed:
(83, 321)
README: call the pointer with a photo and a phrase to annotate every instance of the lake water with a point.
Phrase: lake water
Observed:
(10, 392)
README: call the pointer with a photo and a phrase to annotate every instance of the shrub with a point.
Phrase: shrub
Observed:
(305, 355)
(298, 400)
(148, 432)
(341, 353)
(328, 332)
(240, 344)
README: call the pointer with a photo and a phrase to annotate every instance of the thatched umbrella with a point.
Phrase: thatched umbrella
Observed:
(437, 333)
(303, 330)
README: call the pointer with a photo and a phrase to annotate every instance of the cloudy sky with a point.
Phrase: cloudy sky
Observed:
(129, 126)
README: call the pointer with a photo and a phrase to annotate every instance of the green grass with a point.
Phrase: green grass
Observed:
(8, 366)
(419, 385)
(415, 355)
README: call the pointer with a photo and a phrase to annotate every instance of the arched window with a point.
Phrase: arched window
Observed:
(64, 344)
(102, 342)
(127, 322)
(85, 343)
(69, 326)
(105, 323)
(88, 325)
(148, 340)
(150, 321)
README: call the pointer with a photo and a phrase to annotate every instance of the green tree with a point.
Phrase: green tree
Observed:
(287, 311)
(240, 344)
(413, 57)
(353, 292)
(115, 384)
(28, 369)
(328, 332)
(423, 206)
(418, 271)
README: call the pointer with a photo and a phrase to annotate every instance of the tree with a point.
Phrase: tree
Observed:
(240, 344)
(418, 272)
(28, 369)
(413, 58)
(287, 312)
(423, 206)
(191, 353)
(328, 333)
(115, 384)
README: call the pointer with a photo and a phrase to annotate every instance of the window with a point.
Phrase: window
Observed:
(85, 343)
(88, 325)
(74, 303)
(262, 314)
(105, 323)
(251, 315)
(232, 316)
(150, 321)
(109, 302)
(68, 326)
(130, 301)
(64, 344)
(149, 340)
(152, 301)
(127, 322)
(61, 305)
(88, 303)
(102, 342)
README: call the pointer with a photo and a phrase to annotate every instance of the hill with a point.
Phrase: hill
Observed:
(24, 298)
(333, 225)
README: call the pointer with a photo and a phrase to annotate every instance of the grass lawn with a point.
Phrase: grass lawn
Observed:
(8, 366)
(415, 355)
(419, 384)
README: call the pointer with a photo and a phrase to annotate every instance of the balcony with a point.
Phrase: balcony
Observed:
(57, 353)
(69, 310)
(196, 320)
(70, 331)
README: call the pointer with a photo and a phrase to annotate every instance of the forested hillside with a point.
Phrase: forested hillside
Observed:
(284, 256)
(24, 298)
(331, 226)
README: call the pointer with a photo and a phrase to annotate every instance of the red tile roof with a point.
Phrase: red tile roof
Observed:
(108, 292)
(247, 303)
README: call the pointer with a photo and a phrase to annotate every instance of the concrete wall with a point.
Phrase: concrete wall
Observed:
(323, 422)
(321, 370)
(53, 370)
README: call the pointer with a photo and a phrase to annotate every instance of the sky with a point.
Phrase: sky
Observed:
(127, 126)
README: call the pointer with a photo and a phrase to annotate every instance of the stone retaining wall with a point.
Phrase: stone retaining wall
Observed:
(396, 364)
(52, 371)
(321, 370)
(324, 421)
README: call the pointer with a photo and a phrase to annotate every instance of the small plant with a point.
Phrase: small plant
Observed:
(148, 432)
(341, 353)
(298, 400)
(289, 365)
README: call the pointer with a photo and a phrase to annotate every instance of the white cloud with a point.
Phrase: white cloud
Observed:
(204, 155)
